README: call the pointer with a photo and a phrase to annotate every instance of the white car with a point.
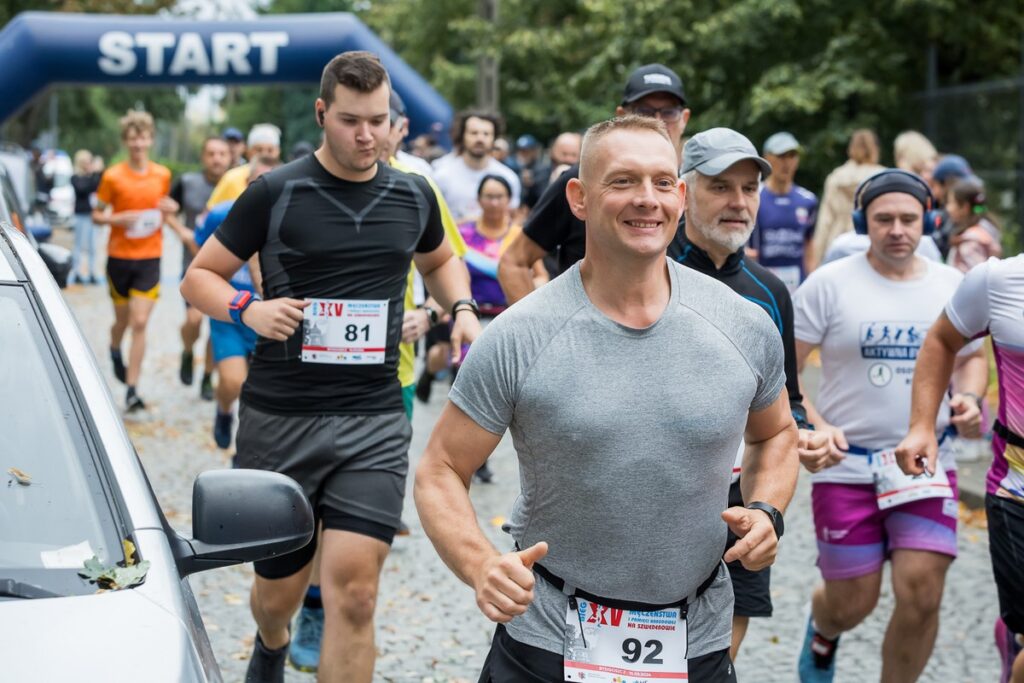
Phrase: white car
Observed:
(75, 503)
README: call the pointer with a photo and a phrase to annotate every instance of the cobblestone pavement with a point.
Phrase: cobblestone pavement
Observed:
(428, 626)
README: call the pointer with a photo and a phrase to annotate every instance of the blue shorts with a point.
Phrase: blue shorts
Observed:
(231, 340)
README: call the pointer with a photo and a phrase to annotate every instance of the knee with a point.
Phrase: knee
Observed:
(138, 325)
(920, 594)
(356, 602)
(273, 605)
(852, 609)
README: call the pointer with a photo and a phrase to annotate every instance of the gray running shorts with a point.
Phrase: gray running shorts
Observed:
(352, 468)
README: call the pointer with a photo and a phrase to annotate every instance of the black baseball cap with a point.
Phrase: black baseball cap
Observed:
(652, 78)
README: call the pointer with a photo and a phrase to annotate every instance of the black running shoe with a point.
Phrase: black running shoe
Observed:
(484, 475)
(185, 371)
(119, 370)
(206, 388)
(424, 385)
(133, 403)
(266, 665)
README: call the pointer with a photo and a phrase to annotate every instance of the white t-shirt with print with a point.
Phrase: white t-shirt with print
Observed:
(869, 329)
(459, 184)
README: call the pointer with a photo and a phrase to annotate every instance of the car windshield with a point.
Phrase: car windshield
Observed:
(54, 510)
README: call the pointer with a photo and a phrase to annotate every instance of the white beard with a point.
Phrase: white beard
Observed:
(729, 239)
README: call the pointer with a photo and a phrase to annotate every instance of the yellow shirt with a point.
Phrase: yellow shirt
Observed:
(407, 352)
(231, 186)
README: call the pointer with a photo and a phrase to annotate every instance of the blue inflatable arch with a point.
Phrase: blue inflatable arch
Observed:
(42, 49)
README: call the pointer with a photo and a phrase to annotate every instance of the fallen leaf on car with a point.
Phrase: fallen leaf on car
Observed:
(114, 577)
(129, 551)
(21, 477)
(497, 521)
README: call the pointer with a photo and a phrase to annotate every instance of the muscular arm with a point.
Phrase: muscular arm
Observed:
(207, 281)
(457, 447)
(769, 468)
(515, 269)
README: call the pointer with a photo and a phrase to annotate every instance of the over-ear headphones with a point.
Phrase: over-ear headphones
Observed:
(898, 180)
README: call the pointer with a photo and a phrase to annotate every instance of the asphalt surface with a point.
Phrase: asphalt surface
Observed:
(429, 629)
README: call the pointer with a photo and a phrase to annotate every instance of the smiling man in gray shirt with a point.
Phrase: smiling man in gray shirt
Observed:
(627, 384)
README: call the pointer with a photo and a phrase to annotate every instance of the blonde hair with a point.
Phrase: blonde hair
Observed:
(135, 121)
(863, 147)
(83, 158)
(912, 151)
(598, 131)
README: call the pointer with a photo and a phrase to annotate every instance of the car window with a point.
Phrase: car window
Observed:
(54, 510)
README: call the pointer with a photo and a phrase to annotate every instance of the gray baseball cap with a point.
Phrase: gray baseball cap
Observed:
(715, 150)
(780, 143)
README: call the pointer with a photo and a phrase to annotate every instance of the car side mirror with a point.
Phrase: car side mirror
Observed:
(242, 516)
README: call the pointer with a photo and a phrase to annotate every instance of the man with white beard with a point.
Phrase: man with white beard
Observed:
(722, 172)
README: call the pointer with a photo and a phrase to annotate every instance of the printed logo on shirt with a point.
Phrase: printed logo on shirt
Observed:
(892, 340)
(951, 508)
(802, 214)
(880, 374)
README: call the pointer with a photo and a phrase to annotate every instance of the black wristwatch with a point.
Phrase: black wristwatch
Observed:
(467, 305)
(772, 513)
(431, 313)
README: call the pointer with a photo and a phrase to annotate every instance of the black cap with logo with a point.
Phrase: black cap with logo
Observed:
(652, 78)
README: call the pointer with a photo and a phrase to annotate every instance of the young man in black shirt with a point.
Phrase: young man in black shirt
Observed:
(335, 232)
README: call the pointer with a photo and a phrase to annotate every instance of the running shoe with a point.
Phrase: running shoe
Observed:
(222, 424)
(304, 651)
(484, 475)
(206, 388)
(817, 661)
(266, 665)
(133, 403)
(119, 370)
(1009, 648)
(185, 371)
(423, 386)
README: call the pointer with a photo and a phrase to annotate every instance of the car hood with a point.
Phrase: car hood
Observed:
(113, 636)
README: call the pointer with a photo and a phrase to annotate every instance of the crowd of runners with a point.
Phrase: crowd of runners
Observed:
(636, 307)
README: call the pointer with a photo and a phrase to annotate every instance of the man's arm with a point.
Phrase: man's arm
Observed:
(769, 476)
(457, 447)
(919, 450)
(515, 269)
(826, 445)
(207, 286)
(447, 280)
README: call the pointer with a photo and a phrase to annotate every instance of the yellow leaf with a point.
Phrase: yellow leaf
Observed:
(129, 552)
(497, 521)
(21, 477)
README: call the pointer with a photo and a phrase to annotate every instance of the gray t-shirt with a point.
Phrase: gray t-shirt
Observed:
(192, 190)
(626, 440)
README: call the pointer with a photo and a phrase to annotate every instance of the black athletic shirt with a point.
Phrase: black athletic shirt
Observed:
(754, 283)
(553, 226)
(322, 237)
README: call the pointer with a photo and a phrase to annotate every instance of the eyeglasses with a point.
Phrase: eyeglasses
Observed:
(669, 114)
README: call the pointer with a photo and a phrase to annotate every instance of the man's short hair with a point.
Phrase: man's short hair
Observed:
(459, 126)
(211, 138)
(356, 70)
(137, 122)
(601, 130)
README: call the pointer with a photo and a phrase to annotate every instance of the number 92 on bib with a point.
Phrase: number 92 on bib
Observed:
(345, 331)
(608, 645)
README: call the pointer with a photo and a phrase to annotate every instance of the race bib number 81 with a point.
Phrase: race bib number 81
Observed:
(608, 645)
(345, 331)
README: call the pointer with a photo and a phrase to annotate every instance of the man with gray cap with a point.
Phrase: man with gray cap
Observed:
(722, 170)
(653, 91)
(781, 240)
(623, 516)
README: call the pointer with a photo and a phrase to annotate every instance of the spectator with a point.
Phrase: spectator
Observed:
(950, 169)
(236, 143)
(915, 153)
(85, 182)
(975, 236)
(837, 199)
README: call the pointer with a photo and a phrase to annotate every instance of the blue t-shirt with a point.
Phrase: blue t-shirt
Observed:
(207, 225)
(784, 225)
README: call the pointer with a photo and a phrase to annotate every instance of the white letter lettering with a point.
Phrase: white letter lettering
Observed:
(229, 54)
(268, 42)
(191, 54)
(155, 43)
(118, 57)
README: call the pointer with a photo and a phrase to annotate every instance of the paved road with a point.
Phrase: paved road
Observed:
(429, 629)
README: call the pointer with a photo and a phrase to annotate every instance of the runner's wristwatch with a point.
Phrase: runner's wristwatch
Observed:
(772, 513)
(466, 305)
(241, 301)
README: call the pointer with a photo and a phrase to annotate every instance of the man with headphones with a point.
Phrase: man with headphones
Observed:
(868, 314)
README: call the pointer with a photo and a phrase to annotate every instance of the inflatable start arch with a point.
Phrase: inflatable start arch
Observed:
(41, 49)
